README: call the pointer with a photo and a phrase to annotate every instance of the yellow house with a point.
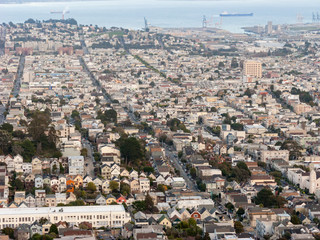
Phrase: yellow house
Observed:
(78, 181)
(110, 199)
(165, 221)
(36, 166)
(46, 228)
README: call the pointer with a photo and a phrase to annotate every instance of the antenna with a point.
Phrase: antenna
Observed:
(146, 27)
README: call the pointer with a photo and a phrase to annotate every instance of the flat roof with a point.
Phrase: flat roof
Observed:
(51, 210)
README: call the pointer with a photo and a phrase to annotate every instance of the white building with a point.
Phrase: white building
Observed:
(98, 216)
(76, 165)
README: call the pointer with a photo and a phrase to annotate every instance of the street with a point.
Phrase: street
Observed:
(2, 110)
(174, 160)
(89, 160)
(17, 82)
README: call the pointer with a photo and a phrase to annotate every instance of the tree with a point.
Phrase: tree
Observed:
(39, 124)
(248, 92)
(61, 168)
(130, 149)
(7, 127)
(293, 147)
(19, 186)
(5, 142)
(125, 189)
(229, 206)
(30, 20)
(220, 65)
(109, 116)
(234, 63)
(29, 150)
(54, 229)
(206, 236)
(295, 219)
(8, 231)
(91, 187)
(114, 186)
(267, 199)
(37, 236)
(43, 221)
(193, 172)
(264, 197)
(84, 152)
(149, 203)
(240, 211)
(237, 126)
(148, 169)
(238, 227)
(76, 203)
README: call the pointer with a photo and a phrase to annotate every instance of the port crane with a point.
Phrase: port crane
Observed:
(315, 17)
(64, 12)
(206, 22)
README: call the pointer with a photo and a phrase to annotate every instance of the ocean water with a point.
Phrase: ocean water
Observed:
(166, 13)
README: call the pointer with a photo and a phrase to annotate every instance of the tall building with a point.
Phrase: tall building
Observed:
(269, 28)
(252, 69)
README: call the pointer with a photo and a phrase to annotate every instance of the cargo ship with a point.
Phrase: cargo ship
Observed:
(225, 14)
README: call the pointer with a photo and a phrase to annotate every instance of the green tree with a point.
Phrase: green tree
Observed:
(237, 126)
(249, 92)
(7, 127)
(61, 168)
(140, 205)
(206, 236)
(240, 211)
(84, 152)
(238, 227)
(114, 186)
(293, 147)
(149, 203)
(220, 65)
(193, 172)
(295, 219)
(77, 203)
(29, 150)
(43, 221)
(39, 124)
(234, 63)
(109, 116)
(8, 231)
(54, 229)
(267, 199)
(37, 236)
(148, 169)
(19, 186)
(131, 149)
(5, 142)
(125, 189)
(229, 206)
(91, 187)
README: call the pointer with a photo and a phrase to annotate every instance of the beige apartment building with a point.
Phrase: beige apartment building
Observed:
(252, 69)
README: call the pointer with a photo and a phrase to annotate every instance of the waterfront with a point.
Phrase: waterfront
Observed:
(130, 14)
